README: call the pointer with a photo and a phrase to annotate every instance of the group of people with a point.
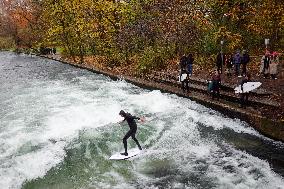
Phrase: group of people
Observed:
(47, 50)
(269, 64)
(235, 64)
(238, 61)
(215, 84)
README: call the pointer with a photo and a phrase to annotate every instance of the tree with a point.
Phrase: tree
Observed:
(19, 20)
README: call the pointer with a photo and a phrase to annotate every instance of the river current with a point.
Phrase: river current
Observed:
(58, 127)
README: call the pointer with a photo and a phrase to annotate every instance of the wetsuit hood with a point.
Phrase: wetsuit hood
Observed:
(122, 113)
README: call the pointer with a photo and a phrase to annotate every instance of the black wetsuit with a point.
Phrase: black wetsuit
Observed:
(133, 128)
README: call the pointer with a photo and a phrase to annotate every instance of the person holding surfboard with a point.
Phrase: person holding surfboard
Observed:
(184, 74)
(244, 95)
(133, 128)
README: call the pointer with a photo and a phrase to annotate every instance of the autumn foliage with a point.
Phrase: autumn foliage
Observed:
(148, 32)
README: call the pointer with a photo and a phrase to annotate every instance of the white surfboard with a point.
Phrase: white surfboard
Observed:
(132, 152)
(249, 86)
(182, 77)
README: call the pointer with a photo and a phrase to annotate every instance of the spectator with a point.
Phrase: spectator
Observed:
(185, 84)
(261, 66)
(244, 61)
(220, 61)
(244, 96)
(229, 64)
(237, 62)
(183, 70)
(266, 63)
(54, 50)
(216, 83)
(182, 63)
(190, 60)
(273, 65)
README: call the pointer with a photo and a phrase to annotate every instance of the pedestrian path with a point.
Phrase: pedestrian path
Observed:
(258, 98)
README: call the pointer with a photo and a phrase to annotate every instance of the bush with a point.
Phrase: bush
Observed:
(154, 59)
(115, 60)
(6, 43)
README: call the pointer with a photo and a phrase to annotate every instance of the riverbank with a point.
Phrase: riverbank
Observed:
(264, 115)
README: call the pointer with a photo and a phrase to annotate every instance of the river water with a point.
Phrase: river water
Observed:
(58, 127)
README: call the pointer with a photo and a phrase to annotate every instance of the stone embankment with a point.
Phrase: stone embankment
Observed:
(259, 113)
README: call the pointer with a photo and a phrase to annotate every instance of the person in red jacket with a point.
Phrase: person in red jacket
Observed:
(216, 79)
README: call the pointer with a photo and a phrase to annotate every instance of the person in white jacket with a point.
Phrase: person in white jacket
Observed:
(273, 65)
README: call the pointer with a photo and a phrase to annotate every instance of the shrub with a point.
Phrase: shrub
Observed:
(6, 43)
(154, 59)
(115, 60)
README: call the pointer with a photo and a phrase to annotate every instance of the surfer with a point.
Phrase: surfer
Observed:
(133, 128)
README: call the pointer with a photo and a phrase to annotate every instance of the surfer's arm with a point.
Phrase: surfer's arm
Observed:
(121, 121)
(142, 119)
(135, 117)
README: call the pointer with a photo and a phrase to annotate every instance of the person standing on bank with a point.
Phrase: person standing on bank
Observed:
(244, 61)
(273, 65)
(244, 96)
(183, 70)
(266, 63)
(216, 79)
(229, 63)
(183, 64)
(133, 128)
(237, 63)
(190, 60)
(220, 61)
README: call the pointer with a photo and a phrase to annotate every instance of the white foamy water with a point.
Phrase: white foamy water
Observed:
(42, 114)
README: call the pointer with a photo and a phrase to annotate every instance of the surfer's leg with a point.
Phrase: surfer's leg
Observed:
(136, 141)
(128, 134)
